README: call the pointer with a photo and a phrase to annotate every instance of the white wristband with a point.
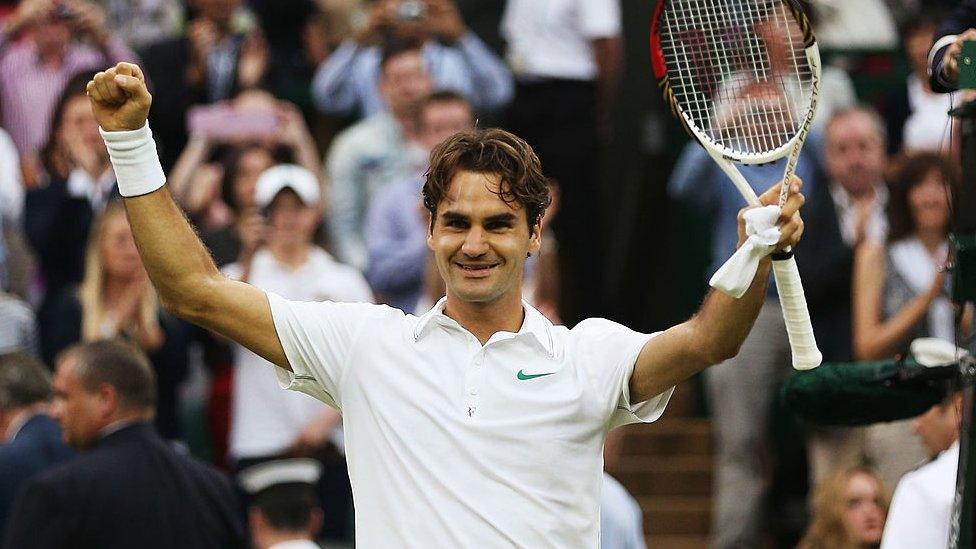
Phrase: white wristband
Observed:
(133, 155)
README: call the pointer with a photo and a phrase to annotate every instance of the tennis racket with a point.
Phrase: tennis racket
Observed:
(743, 77)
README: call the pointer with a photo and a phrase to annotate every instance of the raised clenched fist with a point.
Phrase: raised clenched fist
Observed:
(119, 98)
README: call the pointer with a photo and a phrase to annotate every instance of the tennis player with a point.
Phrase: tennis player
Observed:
(478, 424)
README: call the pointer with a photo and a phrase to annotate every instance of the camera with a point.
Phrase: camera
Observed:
(411, 10)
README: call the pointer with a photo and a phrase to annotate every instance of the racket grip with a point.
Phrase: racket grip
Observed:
(806, 355)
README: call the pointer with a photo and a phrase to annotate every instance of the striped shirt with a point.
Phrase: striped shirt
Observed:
(29, 90)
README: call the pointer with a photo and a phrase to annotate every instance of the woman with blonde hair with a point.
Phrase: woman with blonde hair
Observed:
(849, 511)
(116, 300)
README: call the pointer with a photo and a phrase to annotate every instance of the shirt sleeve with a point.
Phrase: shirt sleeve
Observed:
(334, 87)
(608, 352)
(317, 339)
(346, 206)
(492, 85)
(599, 18)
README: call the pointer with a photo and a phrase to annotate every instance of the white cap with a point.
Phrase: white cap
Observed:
(274, 179)
(280, 471)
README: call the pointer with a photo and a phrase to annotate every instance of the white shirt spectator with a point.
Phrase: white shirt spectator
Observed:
(265, 419)
(927, 127)
(551, 38)
(922, 505)
(449, 441)
(621, 518)
(855, 24)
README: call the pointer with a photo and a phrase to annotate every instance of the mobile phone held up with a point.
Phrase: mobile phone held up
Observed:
(224, 122)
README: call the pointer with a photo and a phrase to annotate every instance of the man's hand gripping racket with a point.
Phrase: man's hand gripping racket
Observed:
(743, 78)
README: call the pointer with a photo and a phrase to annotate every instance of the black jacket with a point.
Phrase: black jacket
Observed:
(131, 490)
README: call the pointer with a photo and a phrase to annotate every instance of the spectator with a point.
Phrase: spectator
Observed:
(31, 439)
(115, 299)
(267, 423)
(376, 151)
(740, 390)
(855, 25)
(58, 216)
(898, 291)
(849, 509)
(211, 63)
(843, 214)
(129, 488)
(917, 118)
(264, 124)
(396, 223)
(922, 505)
(284, 511)
(567, 56)
(66, 37)
(350, 79)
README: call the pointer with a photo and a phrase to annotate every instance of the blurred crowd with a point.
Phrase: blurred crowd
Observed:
(295, 135)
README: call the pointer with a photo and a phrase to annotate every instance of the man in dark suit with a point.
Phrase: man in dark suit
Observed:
(31, 439)
(841, 214)
(956, 28)
(129, 488)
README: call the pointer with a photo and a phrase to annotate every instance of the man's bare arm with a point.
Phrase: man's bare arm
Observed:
(181, 269)
(717, 330)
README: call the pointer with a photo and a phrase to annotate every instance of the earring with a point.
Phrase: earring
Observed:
(528, 254)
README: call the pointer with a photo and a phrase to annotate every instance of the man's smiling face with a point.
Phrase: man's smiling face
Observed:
(480, 242)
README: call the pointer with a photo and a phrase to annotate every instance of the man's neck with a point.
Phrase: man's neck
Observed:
(270, 539)
(291, 255)
(866, 194)
(485, 319)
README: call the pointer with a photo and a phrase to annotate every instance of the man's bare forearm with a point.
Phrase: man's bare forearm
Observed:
(723, 322)
(177, 262)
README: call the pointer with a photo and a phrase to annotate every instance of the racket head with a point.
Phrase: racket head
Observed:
(742, 76)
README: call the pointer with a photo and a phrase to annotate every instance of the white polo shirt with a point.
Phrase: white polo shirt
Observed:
(264, 419)
(455, 444)
(921, 508)
(552, 38)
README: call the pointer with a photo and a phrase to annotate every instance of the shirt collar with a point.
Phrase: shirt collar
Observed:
(534, 325)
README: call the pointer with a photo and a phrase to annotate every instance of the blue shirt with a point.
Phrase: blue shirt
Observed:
(396, 245)
(347, 80)
(697, 180)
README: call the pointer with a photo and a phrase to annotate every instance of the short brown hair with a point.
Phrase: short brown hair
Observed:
(118, 364)
(493, 151)
(23, 381)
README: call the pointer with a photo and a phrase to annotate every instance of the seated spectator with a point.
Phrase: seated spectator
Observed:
(457, 59)
(65, 37)
(397, 222)
(284, 510)
(115, 299)
(80, 182)
(211, 63)
(922, 505)
(849, 509)
(262, 124)
(377, 151)
(916, 117)
(899, 293)
(266, 422)
(30, 440)
(129, 488)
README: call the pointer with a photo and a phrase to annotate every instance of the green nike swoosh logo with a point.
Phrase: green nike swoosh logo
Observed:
(523, 376)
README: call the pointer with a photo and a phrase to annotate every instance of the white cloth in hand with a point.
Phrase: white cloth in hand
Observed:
(735, 276)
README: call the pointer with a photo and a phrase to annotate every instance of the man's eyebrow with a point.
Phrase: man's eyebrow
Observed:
(453, 216)
(507, 217)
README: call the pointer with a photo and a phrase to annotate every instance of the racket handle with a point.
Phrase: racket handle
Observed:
(806, 355)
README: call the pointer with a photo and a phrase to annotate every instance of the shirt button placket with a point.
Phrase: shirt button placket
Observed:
(472, 383)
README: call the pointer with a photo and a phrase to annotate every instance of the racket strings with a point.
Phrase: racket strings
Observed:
(738, 70)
